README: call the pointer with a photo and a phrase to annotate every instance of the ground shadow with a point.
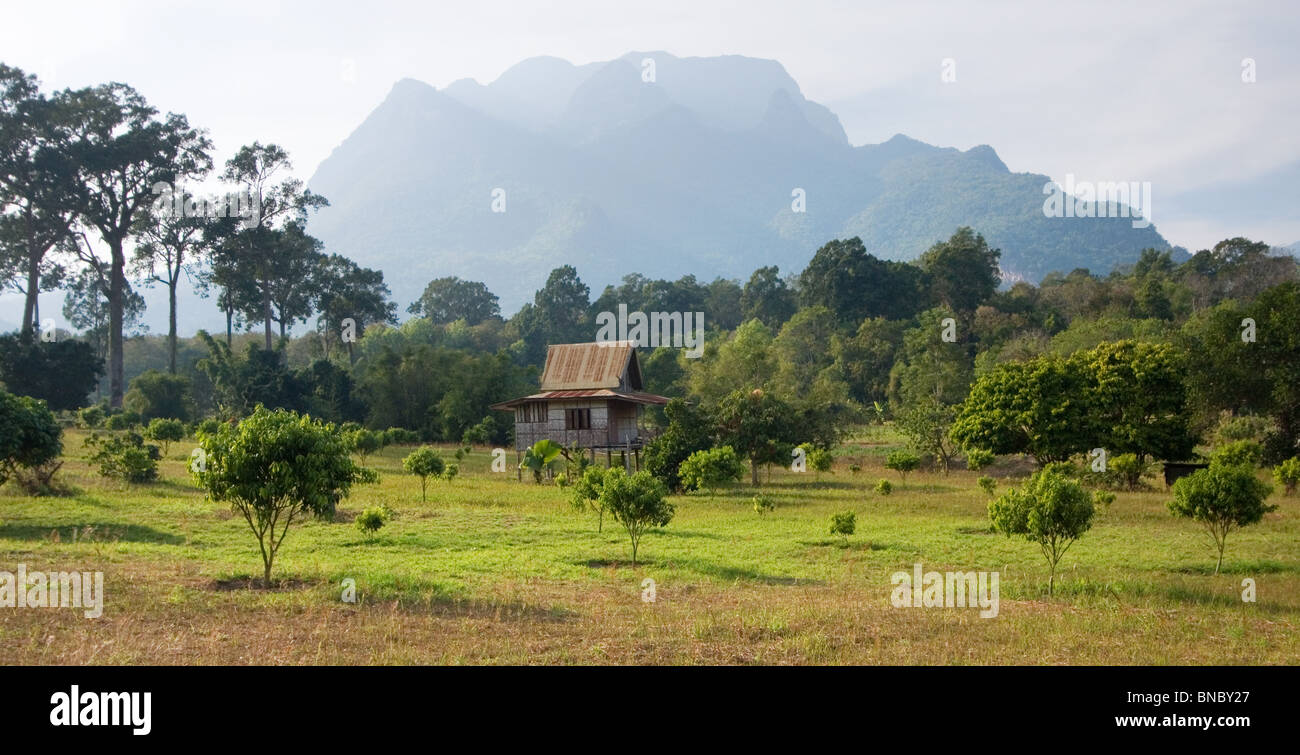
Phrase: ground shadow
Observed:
(103, 532)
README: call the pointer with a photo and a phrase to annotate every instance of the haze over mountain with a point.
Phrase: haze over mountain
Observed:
(665, 166)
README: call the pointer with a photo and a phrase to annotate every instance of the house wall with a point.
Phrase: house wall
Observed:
(612, 423)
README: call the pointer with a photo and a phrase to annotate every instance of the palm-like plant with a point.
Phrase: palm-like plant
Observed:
(542, 457)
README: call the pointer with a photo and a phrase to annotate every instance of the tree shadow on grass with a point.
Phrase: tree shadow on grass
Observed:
(848, 545)
(1245, 568)
(102, 532)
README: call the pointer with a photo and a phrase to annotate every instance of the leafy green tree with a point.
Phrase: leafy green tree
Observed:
(884, 487)
(61, 373)
(341, 289)
(169, 245)
(844, 523)
(30, 438)
(1239, 453)
(711, 469)
(260, 377)
(276, 467)
(364, 442)
(446, 300)
(166, 432)
(586, 493)
(759, 426)
(371, 520)
(125, 457)
(1039, 407)
(157, 394)
(767, 298)
(746, 362)
(927, 424)
(962, 272)
(424, 462)
(86, 302)
(637, 501)
(562, 306)
(123, 149)
(1221, 498)
(902, 461)
(1051, 510)
(865, 359)
(690, 429)
(855, 285)
(978, 458)
(1138, 399)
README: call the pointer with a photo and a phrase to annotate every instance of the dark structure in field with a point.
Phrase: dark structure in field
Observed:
(591, 398)
(1175, 470)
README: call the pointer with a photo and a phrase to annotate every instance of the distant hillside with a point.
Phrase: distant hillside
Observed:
(691, 173)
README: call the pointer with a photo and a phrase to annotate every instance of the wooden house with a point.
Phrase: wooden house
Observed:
(590, 397)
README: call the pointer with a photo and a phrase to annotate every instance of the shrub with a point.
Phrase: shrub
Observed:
(156, 394)
(1241, 428)
(1287, 474)
(480, 434)
(424, 462)
(207, 427)
(883, 487)
(710, 469)
(117, 422)
(902, 461)
(365, 442)
(562, 480)
(820, 460)
(1237, 453)
(586, 493)
(370, 520)
(978, 458)
(844, 523)
(30, 438)
(275, 467)
(449, 473)
(166, 432)
(638, 502)
(1051, 510)
(1104, 497)
(400, 436)
(91, 417)
(988, 485)
(125, 458)
(763, 504)
(855, 468)
(1221, 498)
(1127, 470)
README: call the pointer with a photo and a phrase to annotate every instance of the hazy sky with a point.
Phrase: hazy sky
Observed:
(1107, 91)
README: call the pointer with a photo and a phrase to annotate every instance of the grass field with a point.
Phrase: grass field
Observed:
(496, 571)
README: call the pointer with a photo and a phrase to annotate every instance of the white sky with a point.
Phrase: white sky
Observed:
(1142, 91)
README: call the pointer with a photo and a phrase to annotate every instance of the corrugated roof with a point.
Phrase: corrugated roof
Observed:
(634, 397)
(583, 366)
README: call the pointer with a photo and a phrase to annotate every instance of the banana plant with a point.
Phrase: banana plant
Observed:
(542, 457)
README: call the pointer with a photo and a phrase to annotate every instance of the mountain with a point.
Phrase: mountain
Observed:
(664, 166)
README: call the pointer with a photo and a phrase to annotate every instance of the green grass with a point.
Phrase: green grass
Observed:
(494, 570)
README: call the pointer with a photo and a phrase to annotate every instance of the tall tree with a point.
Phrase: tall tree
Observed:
(254, 170)
(37, 187)
(169, 245)
(766, 297)
(123, 149)
(562, 306)
(962, 272)
(450, 299)
(343, 289)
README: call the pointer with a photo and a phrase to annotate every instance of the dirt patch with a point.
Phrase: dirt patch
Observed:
(256, 583)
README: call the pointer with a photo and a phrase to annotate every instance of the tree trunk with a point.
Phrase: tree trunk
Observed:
(266, 312)
(230, 316)
(753, 472)
(171, 327)
(117, 289)
(33, 288)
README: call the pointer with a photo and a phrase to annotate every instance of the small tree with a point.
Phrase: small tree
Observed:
(1222, 498)
(987, 484)
(542, 458)
(1129, 470)
(586, 493)
(902, 461)
(166, 432)
(638, 502)
(365, 442)
(371, 520)
(29, 437)
(424, 462)
(844, 523)
(763, 504)
(450, 472)
(820, 460)
(275, 467)
(884, 487)
(1051, 510)
(127, 458)
(711, 469)
(1239, 452)
(978, 458)
(1287, 474)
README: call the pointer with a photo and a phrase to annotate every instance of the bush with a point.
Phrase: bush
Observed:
(1051, 510)
(125, 458)
(156, 394)
(61, 373)
(91, 417)
(902, 461)
(1287, 474)
(424, 462)
(274, 468)
(1237, 453)
(855, 468)
(1241, 428)
(480, 434)
(763, 504)
(30, 438)
(562, 480)
(711, 469)
(988, 485)
(820, 460)
(166, 432)
(207, 427)
(1127, 470)
(449, 473)
(118, 422)
(638, 502)
(364, 442)
(1221, 498)
(400, 436)
(370, 520)
(978, 458)
(844, 523)
(883, 487)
